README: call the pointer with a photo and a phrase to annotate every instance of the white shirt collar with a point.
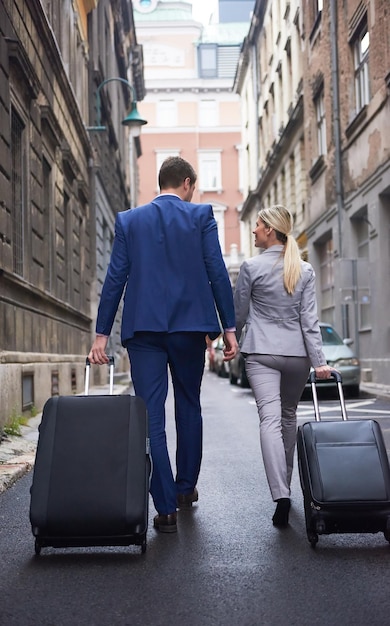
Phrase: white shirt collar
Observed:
(160, 195)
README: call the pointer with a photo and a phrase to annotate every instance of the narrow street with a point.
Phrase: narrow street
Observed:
(227, 565)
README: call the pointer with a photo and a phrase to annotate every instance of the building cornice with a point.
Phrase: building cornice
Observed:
(249, 42)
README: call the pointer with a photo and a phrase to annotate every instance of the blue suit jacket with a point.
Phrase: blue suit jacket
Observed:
(168, 256)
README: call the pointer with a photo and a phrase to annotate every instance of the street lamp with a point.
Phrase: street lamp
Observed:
(133, 119)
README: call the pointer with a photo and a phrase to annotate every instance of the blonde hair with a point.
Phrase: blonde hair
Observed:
(280, 219)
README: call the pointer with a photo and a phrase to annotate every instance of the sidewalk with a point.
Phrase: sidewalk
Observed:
(373, 389)
(17, 454)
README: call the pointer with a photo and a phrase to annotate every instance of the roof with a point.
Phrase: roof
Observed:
(165, 11)
(224, 34)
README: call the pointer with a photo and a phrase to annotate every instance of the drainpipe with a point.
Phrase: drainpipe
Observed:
(336, 118)
(338, 162)
(255, 83)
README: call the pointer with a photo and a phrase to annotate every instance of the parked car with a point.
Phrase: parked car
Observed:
(337, 352)
(339, 355)
(211, 354)
(237, 374)
(221, 367)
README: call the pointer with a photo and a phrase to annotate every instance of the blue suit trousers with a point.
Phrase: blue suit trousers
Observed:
(150, 354)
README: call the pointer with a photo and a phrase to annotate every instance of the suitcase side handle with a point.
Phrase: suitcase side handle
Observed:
(111, 363)
(338, 380)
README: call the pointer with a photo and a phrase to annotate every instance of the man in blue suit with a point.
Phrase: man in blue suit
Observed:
(167, 256)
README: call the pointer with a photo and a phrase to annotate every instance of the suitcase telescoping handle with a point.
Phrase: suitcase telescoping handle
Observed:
(337, 376)
(88, 370)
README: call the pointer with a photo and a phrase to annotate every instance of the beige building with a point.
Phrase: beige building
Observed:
(192, 110)
(269, 80)
(314, 84)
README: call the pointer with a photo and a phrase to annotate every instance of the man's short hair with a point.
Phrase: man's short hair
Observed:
(173, 171)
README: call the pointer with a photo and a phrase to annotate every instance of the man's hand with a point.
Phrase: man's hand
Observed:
(231, 346)
(98, 354)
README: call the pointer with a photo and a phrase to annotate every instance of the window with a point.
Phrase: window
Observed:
(167, 113)
(361, 229)
(207, 60)
(61, 257)
(55, 383)
(321, 123)
(208, 113)
(161, 155)
(325, 251)
(219, 215)
(316, 7)
(364, 309)
(27, 390)
(107, 242)
(68, 261)
(361, 48)
(53, 11)
(18, 191)
(47, 203)
(292, 191)
(73, 380)
(210, 171)
(76, 227)
(66, 27)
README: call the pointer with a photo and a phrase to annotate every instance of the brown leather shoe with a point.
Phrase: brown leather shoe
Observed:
(185, 500)
(166, 523)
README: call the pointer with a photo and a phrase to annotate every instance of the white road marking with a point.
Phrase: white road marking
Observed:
(353, 407)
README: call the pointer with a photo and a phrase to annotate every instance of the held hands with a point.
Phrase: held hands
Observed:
(231, 346)
(98, 354)
(323, 371)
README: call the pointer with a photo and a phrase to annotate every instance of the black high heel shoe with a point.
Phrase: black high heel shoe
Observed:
(280, 517)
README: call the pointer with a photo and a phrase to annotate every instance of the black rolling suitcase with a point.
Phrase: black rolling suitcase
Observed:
(91, 476)
(344, 473)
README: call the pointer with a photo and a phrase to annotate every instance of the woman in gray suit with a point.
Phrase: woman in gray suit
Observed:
(275, 299)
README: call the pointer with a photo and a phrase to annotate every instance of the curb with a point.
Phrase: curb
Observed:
(374, 389)
(11, 472)
(17, 454)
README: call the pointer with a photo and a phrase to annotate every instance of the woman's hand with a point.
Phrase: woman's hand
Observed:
(323, 371)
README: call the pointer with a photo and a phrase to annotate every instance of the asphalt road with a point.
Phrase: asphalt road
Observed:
(227, 565)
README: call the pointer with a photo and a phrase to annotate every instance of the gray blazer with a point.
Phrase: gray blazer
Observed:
(276, 322)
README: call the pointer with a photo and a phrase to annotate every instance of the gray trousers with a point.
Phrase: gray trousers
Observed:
(277, 383)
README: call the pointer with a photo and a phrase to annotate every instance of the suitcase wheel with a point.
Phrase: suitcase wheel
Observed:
(320, 527)
(37, 547)
(387, 530)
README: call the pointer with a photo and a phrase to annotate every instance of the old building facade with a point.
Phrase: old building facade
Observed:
(330, 115)
(347, 115)
(192, 110)
(269, 80)
(60, 185)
